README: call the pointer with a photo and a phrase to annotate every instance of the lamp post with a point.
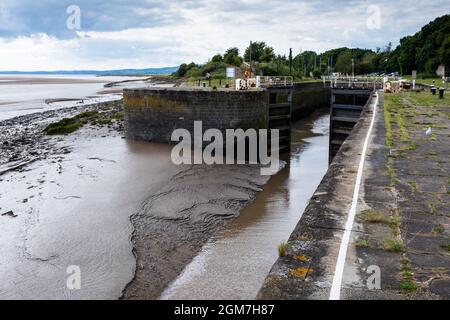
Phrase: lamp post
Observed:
(290, 62)
(353, 69)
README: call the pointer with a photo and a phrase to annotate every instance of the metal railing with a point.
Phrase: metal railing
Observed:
(354, 82)
(274, 81)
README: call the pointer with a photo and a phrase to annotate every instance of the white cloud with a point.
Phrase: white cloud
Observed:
(195, 30)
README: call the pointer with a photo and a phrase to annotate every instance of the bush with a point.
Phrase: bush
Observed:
(219, 74)
(194, 73)
(317, 74)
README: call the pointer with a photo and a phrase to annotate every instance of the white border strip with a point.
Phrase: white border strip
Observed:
(335, 293)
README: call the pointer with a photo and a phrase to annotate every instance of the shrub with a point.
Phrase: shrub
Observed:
(394, 245)
(282, 249)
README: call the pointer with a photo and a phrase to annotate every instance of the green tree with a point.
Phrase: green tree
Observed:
(232, 57)
(423, 51)
(217, 58)
(407, 55)
(254, 51)
(317, 74)
(194, 72)
(267, 55)
(344, 62)
(444, 53)
(184, 69)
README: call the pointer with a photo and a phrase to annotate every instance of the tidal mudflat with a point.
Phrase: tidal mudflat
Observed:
(72, 197)
(128, 217)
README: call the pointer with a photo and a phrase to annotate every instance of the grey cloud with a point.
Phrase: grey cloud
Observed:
(25, 17)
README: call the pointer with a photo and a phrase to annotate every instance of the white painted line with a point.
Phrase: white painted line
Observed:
(335, 293)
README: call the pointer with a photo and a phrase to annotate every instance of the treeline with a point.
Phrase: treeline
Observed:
(424, 52)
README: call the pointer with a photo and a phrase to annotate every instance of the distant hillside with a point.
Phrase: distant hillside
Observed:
(425, 50)
(166, 70)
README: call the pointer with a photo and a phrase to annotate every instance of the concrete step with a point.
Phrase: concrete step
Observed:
(281, 140)
(359, 92)
(337, 142)
(282, 149)
(345, 119)
(279, 105)
(279, 111)
(280, 117)
(341, 131)
(347, 107)
(281, 128)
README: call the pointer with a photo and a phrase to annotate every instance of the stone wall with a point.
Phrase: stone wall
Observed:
(152, 114)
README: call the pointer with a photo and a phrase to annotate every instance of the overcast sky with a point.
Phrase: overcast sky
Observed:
(34, 34)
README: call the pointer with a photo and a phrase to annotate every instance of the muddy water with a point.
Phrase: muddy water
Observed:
(234, 263)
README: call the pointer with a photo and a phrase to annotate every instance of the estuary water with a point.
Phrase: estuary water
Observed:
(25, 94)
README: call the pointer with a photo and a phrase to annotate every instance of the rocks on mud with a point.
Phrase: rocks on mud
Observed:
(9, 214)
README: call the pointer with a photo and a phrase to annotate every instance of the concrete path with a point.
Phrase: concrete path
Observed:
(416, 224)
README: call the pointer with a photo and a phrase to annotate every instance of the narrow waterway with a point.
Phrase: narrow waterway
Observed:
(234, 263)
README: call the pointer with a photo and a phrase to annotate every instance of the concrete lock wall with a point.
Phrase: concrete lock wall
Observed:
(152, 114)
(308, 97)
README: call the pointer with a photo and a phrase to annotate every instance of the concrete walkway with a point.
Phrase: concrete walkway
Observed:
(399, 240)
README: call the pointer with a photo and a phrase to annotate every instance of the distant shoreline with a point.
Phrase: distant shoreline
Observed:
(117, 72)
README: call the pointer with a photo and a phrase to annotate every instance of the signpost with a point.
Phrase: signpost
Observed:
(414, 77)
(446, 76)
(231, 73)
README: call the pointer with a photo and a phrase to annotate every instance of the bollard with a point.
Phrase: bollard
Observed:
(441, 93)
(433, 91)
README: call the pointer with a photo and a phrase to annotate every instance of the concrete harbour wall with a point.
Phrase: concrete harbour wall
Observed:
(152, 114)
